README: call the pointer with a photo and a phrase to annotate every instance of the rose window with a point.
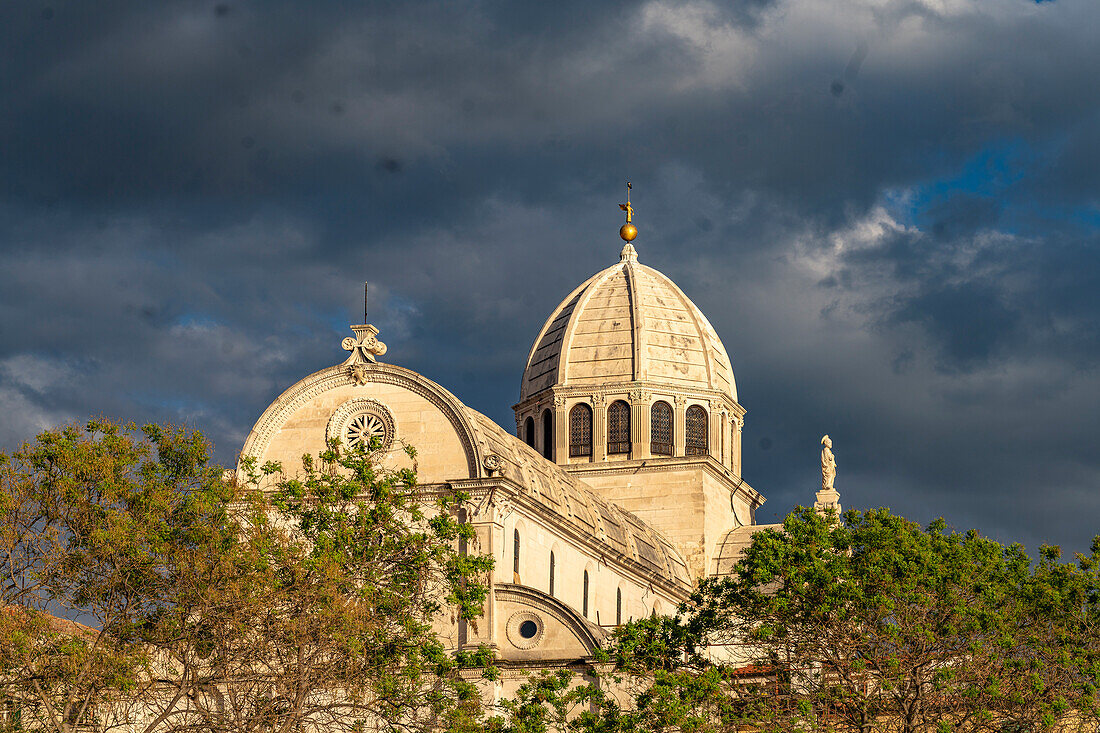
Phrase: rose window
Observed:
(361, 423)
(362, 429)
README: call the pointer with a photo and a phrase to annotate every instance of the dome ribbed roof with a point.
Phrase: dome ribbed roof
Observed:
(628, 323)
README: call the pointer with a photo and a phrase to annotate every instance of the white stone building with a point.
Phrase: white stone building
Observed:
(622, 487)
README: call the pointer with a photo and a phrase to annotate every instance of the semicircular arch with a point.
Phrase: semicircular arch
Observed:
(589, 634)
(316, 384)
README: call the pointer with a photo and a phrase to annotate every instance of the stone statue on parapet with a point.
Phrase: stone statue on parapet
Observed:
(828, 498)
(828, 464)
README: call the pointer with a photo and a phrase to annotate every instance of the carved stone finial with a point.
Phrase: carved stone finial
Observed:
(365, 347)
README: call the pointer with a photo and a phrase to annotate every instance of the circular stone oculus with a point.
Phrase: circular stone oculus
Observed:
(525, 629)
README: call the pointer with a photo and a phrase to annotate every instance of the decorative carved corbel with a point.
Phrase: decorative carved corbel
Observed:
(489, 508)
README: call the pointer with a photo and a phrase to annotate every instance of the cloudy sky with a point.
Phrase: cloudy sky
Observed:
(889, 210)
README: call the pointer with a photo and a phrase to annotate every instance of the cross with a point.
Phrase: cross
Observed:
(627, 207)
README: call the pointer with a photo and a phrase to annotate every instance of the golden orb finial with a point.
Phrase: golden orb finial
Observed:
(628, 231)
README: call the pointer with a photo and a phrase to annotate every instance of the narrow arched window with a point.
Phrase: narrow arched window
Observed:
(618, 428)
(584, 602)
(696, 431)
(618, 607)
(551, 572)
(515, 552)
(660, 426)
(580, 430)
(548, 434)
(529, 430)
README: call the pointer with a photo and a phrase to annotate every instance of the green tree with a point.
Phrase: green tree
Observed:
(356, 566)
(272, 603)
(1050, 670)
(870, 623)
(862, 623)
(94, 524)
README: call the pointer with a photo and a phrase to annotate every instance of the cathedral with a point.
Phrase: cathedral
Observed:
(623, 483)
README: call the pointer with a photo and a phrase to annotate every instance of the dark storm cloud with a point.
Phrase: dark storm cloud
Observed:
(889, 211)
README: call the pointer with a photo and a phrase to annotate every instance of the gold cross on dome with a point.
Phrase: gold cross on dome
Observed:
(627, 207)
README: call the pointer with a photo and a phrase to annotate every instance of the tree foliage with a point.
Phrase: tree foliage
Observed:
(97, 527)
(143, 588)
(197, 600)
(863, 623)
(872, 623)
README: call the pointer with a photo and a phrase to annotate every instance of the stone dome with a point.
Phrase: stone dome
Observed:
(628, 323)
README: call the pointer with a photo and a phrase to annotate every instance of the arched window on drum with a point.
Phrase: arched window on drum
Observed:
(696, 431)
(618, 428)
(580, 430)
(529, 432)
(660, 426)
(548, 434)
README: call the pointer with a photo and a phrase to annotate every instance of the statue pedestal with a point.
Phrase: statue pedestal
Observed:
(827, 499)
